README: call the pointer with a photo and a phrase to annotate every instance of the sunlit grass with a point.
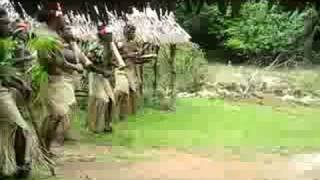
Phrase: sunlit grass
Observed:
(214, 123)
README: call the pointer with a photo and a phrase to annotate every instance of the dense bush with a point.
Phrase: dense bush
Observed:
(191, 68)
(264, 30)
(261, 32)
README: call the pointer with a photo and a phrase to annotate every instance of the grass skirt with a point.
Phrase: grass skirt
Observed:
(133, 78)
(101, 103)
(121, 92)
(121, 83)
(10, 121)
(60, 101)
(7, 153)
(60, 94)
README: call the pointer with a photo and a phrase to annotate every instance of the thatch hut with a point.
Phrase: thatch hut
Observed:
(150, 28)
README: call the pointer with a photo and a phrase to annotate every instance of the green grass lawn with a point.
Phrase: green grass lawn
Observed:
(205, 123)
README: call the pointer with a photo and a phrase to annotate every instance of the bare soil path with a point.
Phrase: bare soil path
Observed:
(102, 163)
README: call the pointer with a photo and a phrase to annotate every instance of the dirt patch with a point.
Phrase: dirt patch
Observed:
(177, 165)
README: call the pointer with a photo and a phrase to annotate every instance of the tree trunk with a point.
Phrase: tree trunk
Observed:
(222, 6)
(173, 74)
(309, 33)
(236, 7)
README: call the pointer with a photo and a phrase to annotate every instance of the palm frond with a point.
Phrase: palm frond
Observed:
(45, 46)
(39, 79)
(48, 44)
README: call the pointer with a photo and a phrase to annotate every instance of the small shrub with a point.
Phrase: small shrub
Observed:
(191, 69)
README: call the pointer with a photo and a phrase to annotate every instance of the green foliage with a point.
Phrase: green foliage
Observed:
(7, 47)
(93, 50)
(214, 24)
(262, 29)
(45, 47)
(7, 53)
(191, 69)
(216, 21)
(45, 43)
(39, 79)
(191, 66)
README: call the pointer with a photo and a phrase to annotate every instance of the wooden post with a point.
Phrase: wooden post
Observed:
(141, 69)
(156, 75)
(173, 74)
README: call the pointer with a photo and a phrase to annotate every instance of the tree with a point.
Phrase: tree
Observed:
(195, 6)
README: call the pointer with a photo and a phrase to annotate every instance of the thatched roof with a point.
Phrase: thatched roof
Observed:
(149, 27)
(13, 14)
(86, 6)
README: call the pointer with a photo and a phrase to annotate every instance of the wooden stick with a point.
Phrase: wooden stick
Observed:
(147, 56)
(118, 56)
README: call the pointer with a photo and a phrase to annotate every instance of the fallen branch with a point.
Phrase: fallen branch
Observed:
(271, 66)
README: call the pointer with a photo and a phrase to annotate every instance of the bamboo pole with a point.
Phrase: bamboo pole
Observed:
(173, 76)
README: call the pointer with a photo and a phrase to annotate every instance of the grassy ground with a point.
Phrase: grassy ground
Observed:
(214, 123)
(204, 124)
